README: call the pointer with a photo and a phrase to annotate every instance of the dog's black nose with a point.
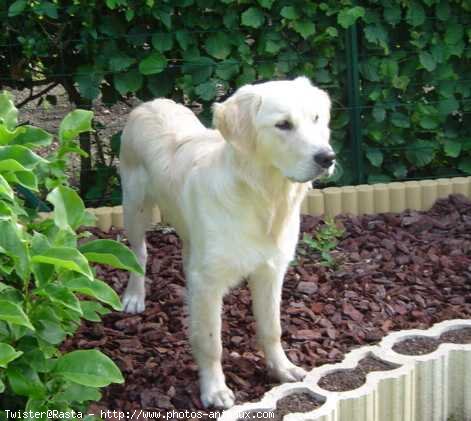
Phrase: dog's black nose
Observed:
(324, 158)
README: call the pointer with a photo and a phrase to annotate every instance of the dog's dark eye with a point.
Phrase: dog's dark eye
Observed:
(316, 118)
(284, 125)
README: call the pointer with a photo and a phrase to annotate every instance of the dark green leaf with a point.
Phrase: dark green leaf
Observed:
(162, 42)
(253, 17)
(154, 63)
(130, 81)
(348, 17)
(375, 156)
(16, 8)
(304, 28)
(427, 61)
(218, 45)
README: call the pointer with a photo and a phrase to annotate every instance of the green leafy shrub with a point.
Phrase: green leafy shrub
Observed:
(46, 282)
(414, 60)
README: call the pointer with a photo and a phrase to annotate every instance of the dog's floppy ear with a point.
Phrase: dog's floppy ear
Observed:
(234, 118)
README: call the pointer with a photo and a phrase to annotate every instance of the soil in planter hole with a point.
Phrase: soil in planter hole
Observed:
(416, 346)
(297, 402)
(341, 381)
(458, 336)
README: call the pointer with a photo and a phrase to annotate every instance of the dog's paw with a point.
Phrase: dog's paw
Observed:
(289, 373)
(222, 397)
(133, 303)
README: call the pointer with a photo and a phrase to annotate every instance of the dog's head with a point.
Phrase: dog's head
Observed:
(282, 123)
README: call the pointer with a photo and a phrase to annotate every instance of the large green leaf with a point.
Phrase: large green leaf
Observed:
(427, 61)
(8, 111)
(88, 368)
(61, 295)
(218, 45)
(69, 209)
(13, 313)
(74, 123)
(348, 17)
(421, 152)
(31, 137)
(24, 381)
(375, 156)
(8, 354)
(66, 258)
(21, 154)
(13, 245)
(253, 17)
(78, 393)
(304, 28)
(5, 188)
(97, 289)
(126, 82)
(111, 253)
(154, 63)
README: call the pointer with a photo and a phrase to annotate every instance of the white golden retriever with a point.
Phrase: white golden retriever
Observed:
(233, 194)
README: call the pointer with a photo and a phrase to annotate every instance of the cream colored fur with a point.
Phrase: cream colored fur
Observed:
(233, 194)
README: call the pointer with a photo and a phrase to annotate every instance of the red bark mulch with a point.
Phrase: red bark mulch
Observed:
(394, 271)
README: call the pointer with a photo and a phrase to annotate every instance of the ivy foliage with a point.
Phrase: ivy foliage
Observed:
(47, 283)
(414, 60)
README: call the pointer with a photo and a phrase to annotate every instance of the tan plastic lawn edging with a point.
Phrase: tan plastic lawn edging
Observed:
(332, 201)
(430, 387)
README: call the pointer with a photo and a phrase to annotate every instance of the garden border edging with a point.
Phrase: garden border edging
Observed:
(430, 387)
(333, 201)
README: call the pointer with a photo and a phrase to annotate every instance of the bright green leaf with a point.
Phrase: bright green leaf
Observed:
(8, 354)
(8, 111)
(66, 258)
(13, 313)
(88, 368)
(97, 289)
(68, 207)
(74, 123)
(111, 253)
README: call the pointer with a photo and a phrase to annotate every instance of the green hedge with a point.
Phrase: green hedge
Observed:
(414, 63)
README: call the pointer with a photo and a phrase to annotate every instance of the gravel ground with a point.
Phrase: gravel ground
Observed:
(393, 271)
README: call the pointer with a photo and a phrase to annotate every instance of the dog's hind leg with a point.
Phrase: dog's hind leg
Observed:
(137, 218)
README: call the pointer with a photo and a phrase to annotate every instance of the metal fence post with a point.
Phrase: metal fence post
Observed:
(353, 86)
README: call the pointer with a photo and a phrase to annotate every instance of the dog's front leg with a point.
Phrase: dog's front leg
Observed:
(205, 305)
(265, 285)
